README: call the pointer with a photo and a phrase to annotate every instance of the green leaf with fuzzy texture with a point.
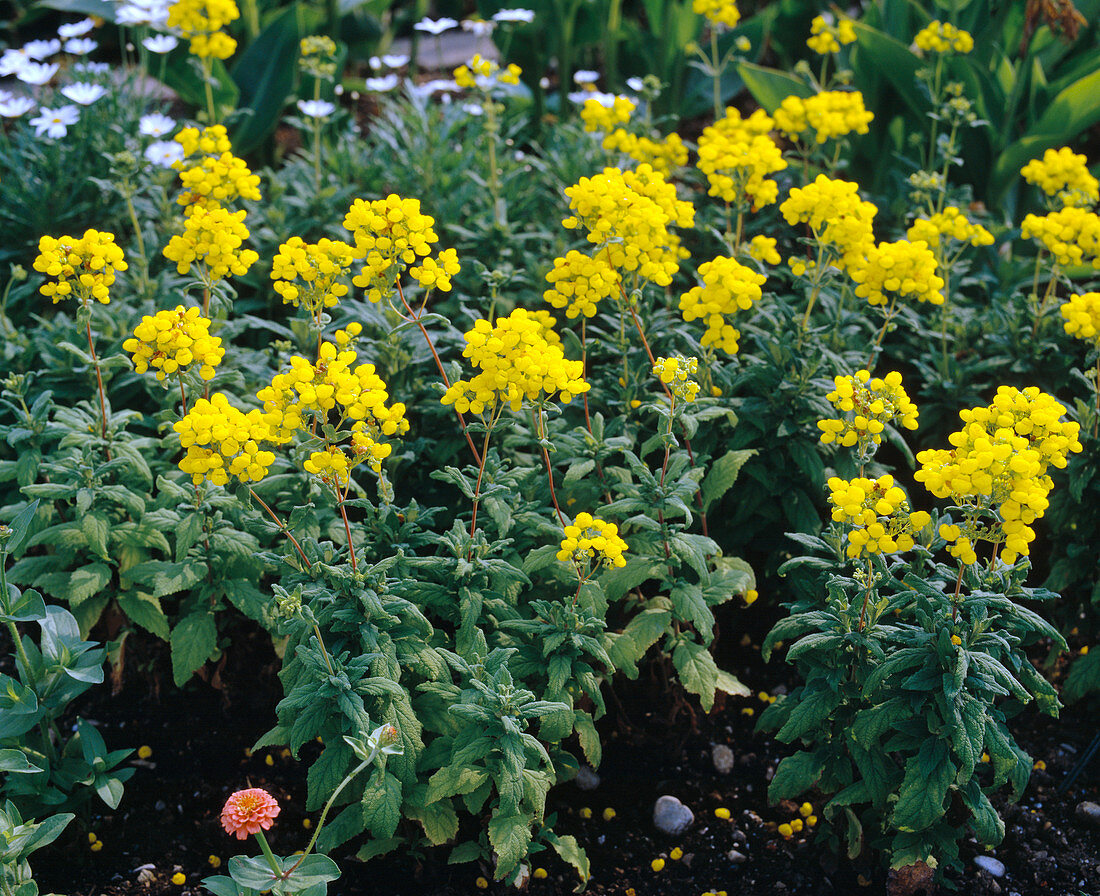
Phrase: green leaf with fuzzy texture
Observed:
(194, 640)
(921, 796)
(795, 775)
(510, 836)
(697, 670)
(382, 805)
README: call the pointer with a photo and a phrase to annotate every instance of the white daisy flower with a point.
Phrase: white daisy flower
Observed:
(160, 43)
(84, 94)
(54, 123)
(15, 106)
(514, 15)
(382, 85)
(42, 49)
(477, 27)
(156, 124)
(635, 84)
(37, 73)
(75, 29)
(80, 46)
(585, 76)
(435, 26)
(394, 60)
(317, 108)
(164, 153)
(472, 109)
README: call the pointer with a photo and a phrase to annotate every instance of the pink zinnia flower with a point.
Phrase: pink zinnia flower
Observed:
(248, 811)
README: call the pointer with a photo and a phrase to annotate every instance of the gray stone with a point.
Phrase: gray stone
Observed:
(993, 866)
(722, 757)
(587, 779)
(737, 858)
(670, 816)
(1088, 813)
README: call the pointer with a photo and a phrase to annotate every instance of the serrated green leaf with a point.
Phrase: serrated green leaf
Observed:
(723, 474)
(77, 585)
(510, 836)
(795, 775)
(193, 640)
(921, 796)
(697, 671)
(146, 612)
(382, 805)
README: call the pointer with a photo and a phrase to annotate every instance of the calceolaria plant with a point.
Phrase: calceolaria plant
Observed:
(911, 665)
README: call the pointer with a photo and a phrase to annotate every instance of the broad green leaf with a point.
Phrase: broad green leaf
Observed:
(264, 75)
(729, 684)
(76, 585)
(795, 775)
(893, 60)
(697, 670)
(571, 851)
(193, 640)
(382, 805)
(723, 474)
(145, 611)
(161, 577)
(439, 820)
(921, 796)
(690, 606)
(373, 848)
(1083, 678)
(16, 762)
(509, 836)
(19, 526)
(769, 87)
(19, 711)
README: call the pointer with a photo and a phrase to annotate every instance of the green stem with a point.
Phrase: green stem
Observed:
(716, 73)
(324, 812)
(207, 75)
(271, 860)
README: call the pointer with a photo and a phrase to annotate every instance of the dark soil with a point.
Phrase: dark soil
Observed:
(168, 820)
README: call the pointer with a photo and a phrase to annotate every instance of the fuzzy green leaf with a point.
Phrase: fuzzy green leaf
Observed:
(697, 670)
(382, 805)
(921, 796)
(795, 775)
(723, 474)
(509, 836)
(194, 640)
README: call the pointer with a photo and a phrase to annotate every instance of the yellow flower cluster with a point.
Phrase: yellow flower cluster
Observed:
(952, 224)
(728, 287)
(518, 357)
(578, 283)
(762, 248)
(201, 22)
(869, 405)
(901, 268)
(1082, 314)
(826, 37)
(171, 341)
(998, 464)
(318, 56)
(319, 266)
(212, 238)
(436, 273)
(829, 114)
(677, 373)
(839, 219)
(209, 173)
(335, 382)
(628, 215)
(598, 116)
(1063, 174)
(941, 37)
(1071, 235)
(84, 267)
(880, 513)
(222, 441)
(484, 73)
(720, 12)
(737, 158)
(590, 538)
(664, 155)
(390, 234)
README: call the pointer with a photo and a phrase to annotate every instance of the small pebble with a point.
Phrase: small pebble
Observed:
(988, 863)
(670, 816)
(737, 858)
(722, 757)
(1088, 813)
(587, 779)
(147, 874)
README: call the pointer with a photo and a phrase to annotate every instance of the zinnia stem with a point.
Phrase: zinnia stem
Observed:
(324, 812)
(271, 860)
